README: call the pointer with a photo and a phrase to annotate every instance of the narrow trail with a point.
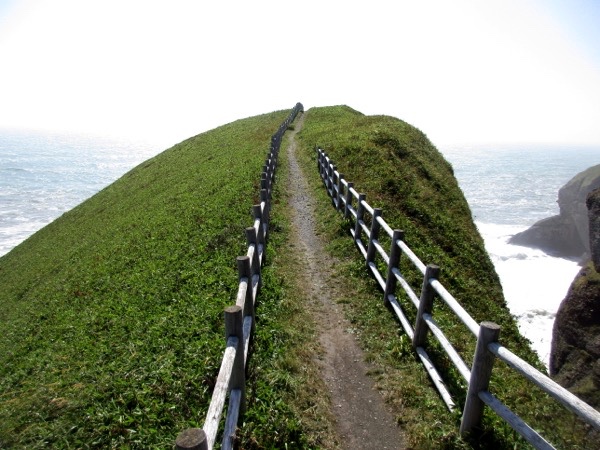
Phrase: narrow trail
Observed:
(362, 420)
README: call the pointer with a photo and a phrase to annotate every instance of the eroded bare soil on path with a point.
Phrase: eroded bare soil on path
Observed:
(362, 420)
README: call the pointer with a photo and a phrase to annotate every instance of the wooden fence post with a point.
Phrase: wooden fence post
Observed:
(271, 164)
(266, 213)
(340, 190)
(234, 326)
(264, 183)
(395, 253)
(373, 236)
(261, 234)
(360, 214)
(245, 274)
(268, 173)
(252, 240)
(191, 439)
(481, 372)
(320, 161)
(425, 306)
(332, 183)
(348, 200)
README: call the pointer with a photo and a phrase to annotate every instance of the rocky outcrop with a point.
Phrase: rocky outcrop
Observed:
(593, 204)
(567, 234)
(575, 352)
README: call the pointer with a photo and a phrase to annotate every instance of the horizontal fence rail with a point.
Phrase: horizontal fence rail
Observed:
(240, 318)
(368, 224)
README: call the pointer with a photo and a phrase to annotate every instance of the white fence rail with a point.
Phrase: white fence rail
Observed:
(366, 234)
(240, 319)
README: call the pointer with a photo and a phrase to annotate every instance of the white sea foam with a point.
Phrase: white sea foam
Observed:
(509, 189)
(533, 282)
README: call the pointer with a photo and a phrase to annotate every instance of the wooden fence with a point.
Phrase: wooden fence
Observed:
(240, 318)
(353, 205)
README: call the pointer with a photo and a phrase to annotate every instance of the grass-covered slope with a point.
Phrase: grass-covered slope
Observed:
(402, 172)
(112, 328)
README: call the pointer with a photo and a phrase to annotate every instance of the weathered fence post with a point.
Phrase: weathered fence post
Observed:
(395, 253)
(348, 202)
(264, 183)
(340, 190)
(271, 162)
(267, 170)
(318, 150)
(425, 306)
(245, 275)
(360, 214)
(261, 216)
(373, 236)
(234, 327)
(266, 213)
(191, 439)
(334, 183)
(252, 241)
(481, 373)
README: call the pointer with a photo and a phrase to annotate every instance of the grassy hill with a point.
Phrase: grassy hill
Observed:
(112, 331)
(403, 173)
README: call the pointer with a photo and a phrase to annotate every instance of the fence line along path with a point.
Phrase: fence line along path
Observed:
(367, 230)
(240, 319)
(362, 420)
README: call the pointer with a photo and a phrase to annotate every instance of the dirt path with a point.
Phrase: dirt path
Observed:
(362, 420)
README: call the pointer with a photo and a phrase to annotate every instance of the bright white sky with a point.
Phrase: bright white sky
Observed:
(495, 71)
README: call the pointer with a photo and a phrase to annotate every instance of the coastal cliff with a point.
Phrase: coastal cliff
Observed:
(575, 354)
(566, 234)
(112, 315)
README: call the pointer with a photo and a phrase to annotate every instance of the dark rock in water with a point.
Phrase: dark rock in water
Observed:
(567, 234)
(593, 204)
(575, 352)
(555, 235)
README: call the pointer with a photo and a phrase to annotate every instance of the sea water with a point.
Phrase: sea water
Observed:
(42, 175)
(509, 189)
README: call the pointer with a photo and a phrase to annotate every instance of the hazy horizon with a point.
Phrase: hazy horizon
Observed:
(465, 72)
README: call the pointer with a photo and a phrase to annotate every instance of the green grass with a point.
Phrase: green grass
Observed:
(112, 327)
(112, 316)
(401, 172)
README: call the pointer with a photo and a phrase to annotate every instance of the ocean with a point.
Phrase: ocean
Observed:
(509, 189)
(43, 175)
